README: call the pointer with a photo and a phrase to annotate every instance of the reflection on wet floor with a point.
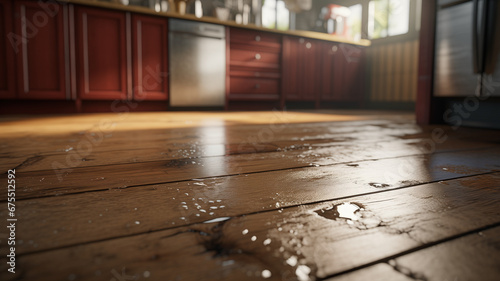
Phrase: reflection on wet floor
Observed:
(345, 210)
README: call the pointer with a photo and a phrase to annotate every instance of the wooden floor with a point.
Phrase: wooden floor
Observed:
(319, 195)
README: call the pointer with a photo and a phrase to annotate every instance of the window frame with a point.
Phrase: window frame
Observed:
(413, 32)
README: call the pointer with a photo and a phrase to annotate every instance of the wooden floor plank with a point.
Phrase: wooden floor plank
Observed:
(380, 271)
(67, 181)
(472, 257)
(134, 206)
(171, 140)
(286, 242)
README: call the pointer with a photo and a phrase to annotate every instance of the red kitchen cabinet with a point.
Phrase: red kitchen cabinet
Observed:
(7, 75)
(343, 77)
(101, 44)
(254, 66)
(39, 44)
(150, 58)
(301, 75)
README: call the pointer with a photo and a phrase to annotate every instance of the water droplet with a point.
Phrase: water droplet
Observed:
(213, 207)
(302, 272)
(277, 204)
(292, 261)
(266, 273)
(378, 185)
(267, 242)
(217, 220)
(90, 221)
(445, 169)
(226, 263)
(137, 222)
(344, 210)
(245, 232)
(254, 238)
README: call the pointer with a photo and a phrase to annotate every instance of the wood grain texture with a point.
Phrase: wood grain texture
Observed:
(470, 257)
(142, 205)
(390, 223)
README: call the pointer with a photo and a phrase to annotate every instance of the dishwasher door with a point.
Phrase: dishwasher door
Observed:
(197, 59)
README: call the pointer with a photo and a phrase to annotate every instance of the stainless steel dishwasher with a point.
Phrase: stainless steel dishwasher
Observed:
(197, 59)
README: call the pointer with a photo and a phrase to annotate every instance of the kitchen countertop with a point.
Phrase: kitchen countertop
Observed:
(145, 10)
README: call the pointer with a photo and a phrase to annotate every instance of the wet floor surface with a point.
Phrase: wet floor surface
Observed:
(251, 196)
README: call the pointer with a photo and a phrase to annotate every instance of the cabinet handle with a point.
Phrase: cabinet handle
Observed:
(257, 38)
(334, 49)
(308, 45)
(257, 86)
(258, 56)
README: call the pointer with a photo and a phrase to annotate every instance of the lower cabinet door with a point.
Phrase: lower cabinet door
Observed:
(41, 52)
(102, 57)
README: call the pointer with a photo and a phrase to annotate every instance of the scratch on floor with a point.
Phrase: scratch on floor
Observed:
(406, 271)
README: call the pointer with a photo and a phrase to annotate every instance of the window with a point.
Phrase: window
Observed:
(354, 21)
(275, 15)
(388, 18)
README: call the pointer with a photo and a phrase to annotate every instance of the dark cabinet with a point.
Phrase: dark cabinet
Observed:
(150, 67)
(42, 55)
(102, 54)
(7, 44)
(302, 78)
(254, 65)
(342, 72)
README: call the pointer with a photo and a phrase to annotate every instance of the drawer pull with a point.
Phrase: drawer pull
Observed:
(257, 38)
(334, 49)
(258, 56)
(257, 86)
(308, 45)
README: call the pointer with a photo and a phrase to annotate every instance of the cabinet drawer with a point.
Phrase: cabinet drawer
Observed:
(257, 38)
(247, 85)
(251, 58)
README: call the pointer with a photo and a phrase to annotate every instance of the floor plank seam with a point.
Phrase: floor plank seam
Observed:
(258, 153)
(388, 260)
(247, 173)
(245, 214)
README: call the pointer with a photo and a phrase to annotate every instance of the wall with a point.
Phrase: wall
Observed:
(393, 71)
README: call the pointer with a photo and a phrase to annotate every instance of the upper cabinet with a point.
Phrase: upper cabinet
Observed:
(7, 75)
(102, 54)
(150, 67)
(301, 73)
(41, 50)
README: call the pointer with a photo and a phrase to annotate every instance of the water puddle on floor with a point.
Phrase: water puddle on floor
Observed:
(345, 211)
(378, 185)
